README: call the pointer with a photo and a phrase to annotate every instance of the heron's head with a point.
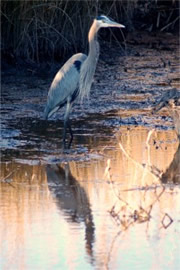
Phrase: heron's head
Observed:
(104, 22)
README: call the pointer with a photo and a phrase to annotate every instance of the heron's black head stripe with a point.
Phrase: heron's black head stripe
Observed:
(77, 65)
(101, 17)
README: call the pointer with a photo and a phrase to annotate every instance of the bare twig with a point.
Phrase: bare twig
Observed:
(166, 221)
(169, 24)
(4, 179)
(137, 163)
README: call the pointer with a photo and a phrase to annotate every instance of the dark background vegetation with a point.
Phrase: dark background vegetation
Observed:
(48, 31)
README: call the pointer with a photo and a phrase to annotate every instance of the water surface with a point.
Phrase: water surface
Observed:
(112, 200)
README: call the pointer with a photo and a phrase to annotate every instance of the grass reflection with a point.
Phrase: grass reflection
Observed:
(94, 210)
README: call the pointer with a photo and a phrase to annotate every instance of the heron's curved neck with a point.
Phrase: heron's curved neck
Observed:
(93, 43)
(89, 65)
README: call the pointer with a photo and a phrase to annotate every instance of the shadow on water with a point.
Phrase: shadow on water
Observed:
(172, 174)
(171, 100)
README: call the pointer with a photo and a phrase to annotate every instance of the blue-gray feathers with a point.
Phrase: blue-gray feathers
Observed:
(65, 86)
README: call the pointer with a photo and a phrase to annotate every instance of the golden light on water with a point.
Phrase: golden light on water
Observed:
(85, 213)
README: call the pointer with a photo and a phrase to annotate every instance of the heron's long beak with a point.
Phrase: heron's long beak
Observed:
(115, 24)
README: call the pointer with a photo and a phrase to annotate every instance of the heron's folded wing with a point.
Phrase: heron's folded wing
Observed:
(64, 84)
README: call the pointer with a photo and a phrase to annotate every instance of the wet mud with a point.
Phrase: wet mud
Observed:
(125, 89)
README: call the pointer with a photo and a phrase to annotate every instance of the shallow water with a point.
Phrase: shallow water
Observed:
(112, 200)
(106, 211)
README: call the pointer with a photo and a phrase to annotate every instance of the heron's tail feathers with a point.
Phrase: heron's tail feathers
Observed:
(48, 112)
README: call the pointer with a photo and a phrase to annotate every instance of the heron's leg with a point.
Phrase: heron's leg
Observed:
(70, 129)
(71, 133)
(67, 123)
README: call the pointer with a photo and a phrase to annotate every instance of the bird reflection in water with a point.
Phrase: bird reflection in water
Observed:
(72, 199)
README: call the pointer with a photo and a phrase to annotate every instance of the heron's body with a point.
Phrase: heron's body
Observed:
(76, 76)
(65, 86)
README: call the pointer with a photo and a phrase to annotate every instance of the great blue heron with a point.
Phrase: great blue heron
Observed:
(75, 77)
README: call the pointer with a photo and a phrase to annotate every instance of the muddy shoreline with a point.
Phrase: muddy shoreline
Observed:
(127, 84)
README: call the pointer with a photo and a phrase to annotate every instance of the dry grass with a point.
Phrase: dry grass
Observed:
(37, 30)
